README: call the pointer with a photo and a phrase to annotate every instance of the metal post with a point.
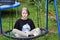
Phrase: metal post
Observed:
(46, 14)
(57, 18)
(0, 24)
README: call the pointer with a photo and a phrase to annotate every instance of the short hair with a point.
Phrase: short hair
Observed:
(26, 10)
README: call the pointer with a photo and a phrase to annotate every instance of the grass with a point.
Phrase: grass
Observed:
(33, 11)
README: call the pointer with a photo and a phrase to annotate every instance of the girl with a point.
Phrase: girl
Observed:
(25, 27)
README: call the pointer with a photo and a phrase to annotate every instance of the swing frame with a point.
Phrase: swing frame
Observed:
(13, 37)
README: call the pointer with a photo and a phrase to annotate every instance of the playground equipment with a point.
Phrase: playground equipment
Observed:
(10, 35)
(3, 6)
(57, 18)
(8, 32)
(43, 31)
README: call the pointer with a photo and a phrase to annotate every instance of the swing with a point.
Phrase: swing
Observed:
(9, 33)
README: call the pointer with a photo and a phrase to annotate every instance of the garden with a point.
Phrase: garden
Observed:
(9, 17)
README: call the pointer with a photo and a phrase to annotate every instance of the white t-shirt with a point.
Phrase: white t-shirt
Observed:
(26, 27)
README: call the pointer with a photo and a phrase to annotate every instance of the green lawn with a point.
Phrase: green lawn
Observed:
(33, 11)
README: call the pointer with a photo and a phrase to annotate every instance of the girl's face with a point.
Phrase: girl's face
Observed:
(24, 13)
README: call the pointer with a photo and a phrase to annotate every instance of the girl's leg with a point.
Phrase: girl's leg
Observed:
(19, 33)
(36, 31)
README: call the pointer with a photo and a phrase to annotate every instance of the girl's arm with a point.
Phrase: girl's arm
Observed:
(16, 25)
(32, 25)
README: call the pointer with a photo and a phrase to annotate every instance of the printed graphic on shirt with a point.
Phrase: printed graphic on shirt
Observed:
(26, 27)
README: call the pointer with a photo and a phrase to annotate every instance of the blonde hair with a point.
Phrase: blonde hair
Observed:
(24, 8)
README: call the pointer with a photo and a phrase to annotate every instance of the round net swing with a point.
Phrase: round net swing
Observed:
(9, 33)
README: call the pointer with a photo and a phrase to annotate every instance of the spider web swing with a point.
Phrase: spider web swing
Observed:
(10, 35)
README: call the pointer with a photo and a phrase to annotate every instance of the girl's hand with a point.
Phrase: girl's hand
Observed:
(27, 33)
